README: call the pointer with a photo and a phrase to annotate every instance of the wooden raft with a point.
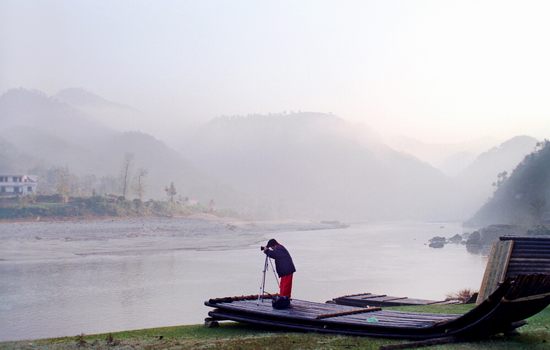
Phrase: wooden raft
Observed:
(514, 255)
(522, 290)
(325, 316)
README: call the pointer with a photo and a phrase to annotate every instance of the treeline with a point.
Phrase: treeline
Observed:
(61, 180)
(129, 183)
(30, 207)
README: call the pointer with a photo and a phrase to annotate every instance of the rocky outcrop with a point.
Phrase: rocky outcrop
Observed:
(488, 235)
(439, 242)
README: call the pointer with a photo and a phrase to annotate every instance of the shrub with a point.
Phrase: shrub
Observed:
(463, 296)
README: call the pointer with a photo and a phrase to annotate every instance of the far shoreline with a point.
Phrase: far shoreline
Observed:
(61, 239)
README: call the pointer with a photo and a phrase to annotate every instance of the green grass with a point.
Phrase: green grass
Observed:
(233, 336)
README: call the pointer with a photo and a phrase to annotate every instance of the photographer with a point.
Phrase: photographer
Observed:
(283, 265)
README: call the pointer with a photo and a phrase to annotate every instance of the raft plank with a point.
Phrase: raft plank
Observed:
(495, 272)
(308, 311)
(386, 301)
(346, 313)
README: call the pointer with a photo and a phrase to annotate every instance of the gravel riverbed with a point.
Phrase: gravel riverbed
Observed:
(73, 239)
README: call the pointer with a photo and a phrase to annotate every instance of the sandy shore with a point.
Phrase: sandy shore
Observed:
(73, 239)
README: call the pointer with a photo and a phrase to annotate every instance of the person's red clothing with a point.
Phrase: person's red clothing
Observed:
(285, 288)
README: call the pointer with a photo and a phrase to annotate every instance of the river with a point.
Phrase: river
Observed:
(118, 290)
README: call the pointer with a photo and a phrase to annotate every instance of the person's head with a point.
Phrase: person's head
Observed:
(272, 243)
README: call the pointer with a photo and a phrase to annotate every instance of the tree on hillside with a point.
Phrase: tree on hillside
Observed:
(523, 195)
(538, 208)
(126, 172)
(140, 183)
(501, 178)
(171, 191)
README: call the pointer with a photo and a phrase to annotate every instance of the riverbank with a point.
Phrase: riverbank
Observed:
(230, 335)
(34, 240)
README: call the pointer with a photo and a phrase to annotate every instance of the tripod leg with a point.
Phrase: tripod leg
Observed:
(274, 273)
(262, 285)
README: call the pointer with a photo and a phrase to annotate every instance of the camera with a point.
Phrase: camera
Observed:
(263, 248)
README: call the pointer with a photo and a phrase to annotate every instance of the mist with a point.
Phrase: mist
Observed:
(435, 72)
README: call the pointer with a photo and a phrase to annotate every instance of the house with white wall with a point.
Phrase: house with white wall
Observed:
(18, 184)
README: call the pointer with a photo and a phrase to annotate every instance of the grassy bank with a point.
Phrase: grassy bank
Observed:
(229, 335)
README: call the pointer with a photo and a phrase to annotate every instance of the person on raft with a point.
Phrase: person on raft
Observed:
(283, 265)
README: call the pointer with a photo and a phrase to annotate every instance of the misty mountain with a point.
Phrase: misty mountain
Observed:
(111, 114)
(12, 159)
(451, 158)
(522, 198)
(311, 165)
(33, 109)
(60, 135)
(53, 149)
(475, 183)
(318, 165)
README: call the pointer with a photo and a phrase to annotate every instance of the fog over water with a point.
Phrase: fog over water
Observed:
(133, 287)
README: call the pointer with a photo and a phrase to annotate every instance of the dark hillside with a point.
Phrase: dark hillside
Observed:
(524, 197)
(474, 184)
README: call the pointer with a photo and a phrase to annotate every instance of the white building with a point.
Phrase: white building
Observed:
(18, 184)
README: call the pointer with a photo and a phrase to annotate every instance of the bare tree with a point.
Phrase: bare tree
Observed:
(63, 176)
(211, 206)
(140, 183)
(126, 172)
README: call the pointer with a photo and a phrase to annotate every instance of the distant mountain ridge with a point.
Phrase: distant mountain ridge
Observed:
(451, 158)
(308, 164)
(81, 97)
(111, 114)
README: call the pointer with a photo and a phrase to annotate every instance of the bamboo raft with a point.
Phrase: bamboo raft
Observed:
(516, 282)
(382, 300)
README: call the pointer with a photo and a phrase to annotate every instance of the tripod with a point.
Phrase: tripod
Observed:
(264, 272)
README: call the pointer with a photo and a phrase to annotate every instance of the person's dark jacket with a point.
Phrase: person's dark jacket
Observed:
(283, 261)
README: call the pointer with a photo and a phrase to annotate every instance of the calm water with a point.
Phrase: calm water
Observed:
(109, 293)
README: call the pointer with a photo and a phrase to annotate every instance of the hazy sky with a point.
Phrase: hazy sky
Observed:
(435, 70)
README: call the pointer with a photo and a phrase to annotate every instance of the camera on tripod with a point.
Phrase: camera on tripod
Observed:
(263, 248)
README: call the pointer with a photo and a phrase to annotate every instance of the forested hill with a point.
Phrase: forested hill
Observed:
(523, 197)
